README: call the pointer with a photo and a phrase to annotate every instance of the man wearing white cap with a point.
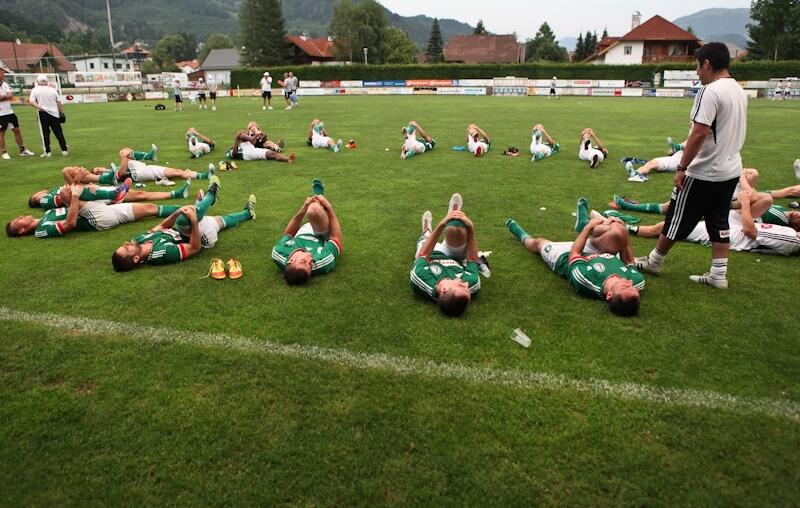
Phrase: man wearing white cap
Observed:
(201, 93)
(553, 83)
(212, 91)
(51, 113)
(266, 91)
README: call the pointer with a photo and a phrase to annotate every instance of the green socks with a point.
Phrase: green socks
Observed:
(202, 206)
(98, 194)
(107, 178)
(201, 176)
(143, 156)
(317, 188)
(181, 192)
(516, 230)
(582, 214)
(627, 219)
(234, 219)
(627, 204)
(166, 210)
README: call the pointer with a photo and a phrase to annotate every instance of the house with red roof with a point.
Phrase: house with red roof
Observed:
(475, 49)
(306, 50)
(654, 41)
(28, 57)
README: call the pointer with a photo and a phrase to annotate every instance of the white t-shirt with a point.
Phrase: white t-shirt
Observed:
(722, 105)
(5, 106)
(212, 86)
(46, 98)
(266, 84)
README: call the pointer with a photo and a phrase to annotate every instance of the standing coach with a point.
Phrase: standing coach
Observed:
(51, 113)
(709, 169)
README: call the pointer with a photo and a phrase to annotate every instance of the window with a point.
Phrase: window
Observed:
(91, 65)
(628, 50)
(105, 65)
(646, 51)
(118, 66)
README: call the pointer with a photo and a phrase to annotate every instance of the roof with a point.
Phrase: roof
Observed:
(315, 48)
(658, 29)
(29, 55)
(194, 64)
(607, 41)
(484, 49)
(221, 60)
(136, 48)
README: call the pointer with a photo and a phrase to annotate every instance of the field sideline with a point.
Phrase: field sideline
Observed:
(112, 412)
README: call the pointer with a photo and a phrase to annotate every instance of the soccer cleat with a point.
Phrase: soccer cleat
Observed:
(537, 136)
(673, 146)
(263, 108)
(217, 269)
(404, 153)
(25, 152)
(154, 148)
(64, 153)
(122, 190)
(478, 151)
(281, 143)
(339, 145)
(708, 279)
(587, 144)
(287, 108)
(46, 154)
(213, 185)
(213, 108)
(292, 158)
(212, 170)
(638, 177)
(183, 191)
(595, 161)
(5, 156)
(427, 220)
(234, 269)
(629, 168)
(643, 264)
(250, 206)
(556, 148)
(797, 169)
(268, 108)
(455, 204)
(537, 156)
(164, 182)
(794, 204)
(317, 189)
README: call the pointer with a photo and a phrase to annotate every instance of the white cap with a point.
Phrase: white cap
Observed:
(266, 74)
(41, 79)
(555, 77)
(200, 79)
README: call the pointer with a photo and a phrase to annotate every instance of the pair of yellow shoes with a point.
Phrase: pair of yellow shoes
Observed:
(218, 270)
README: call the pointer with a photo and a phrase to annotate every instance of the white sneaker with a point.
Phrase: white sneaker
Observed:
(629, 168)
(64, 153)
(25, 153)
(165, 183)
(269, 108)
(455, 204)
(287, 108)
(797, 169)
(427, 219)
(154, 148)
(5, 156)
(706, 278)
(263, 108)
(213, 108)
(46, 154)
(644, 265)
(638, 177)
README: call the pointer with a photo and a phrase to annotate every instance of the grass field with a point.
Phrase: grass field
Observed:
(159, 387)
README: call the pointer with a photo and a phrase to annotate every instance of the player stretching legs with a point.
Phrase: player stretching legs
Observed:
(413, 144)
(311, 248)
(478, 142)
(244, 149)
(141, 172)
(593, 154)
(605, 276)
(62, 196)
(541, 150)
(668, 163)
(198, 143)
(318, 137)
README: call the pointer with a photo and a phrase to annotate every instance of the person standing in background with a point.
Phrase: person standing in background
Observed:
(9, 118)
(51, 114)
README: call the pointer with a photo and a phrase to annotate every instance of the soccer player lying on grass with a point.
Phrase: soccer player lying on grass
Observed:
(181, 235)
(262, 140)
(62, 196)
(150, 155)
(447, 272)
(605, 276)
(198, 143)
(608, 237)
(318, 137)
(416, 140)
(84, 216)
(244, 148)
(593, 154)
(310, 248)
(478, 142)
(668, 163)
(746, 235)
(540, 150)
(140, 172)
(79, 174)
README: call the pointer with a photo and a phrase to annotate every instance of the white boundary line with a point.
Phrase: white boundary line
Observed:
(534, 381)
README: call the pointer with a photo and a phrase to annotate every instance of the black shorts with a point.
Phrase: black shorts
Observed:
(178, 98)
(213, 95)
(287, 94)
(700, 200)
(201, 95)
(552, 91)
(7, 120)
(266, 95)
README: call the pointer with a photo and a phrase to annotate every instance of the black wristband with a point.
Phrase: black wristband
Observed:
(682, 168)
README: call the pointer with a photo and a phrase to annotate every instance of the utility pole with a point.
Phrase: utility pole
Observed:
(111, 35)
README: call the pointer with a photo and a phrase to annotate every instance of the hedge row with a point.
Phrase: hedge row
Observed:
(249, 77)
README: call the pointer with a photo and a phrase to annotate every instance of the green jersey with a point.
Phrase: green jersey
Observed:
(53, 221)
(323, 252)
(168, 246)
(587, 274)
(775, 215)
(426, 273)
(51, 199)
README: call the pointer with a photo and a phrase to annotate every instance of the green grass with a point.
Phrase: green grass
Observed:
(110, 418)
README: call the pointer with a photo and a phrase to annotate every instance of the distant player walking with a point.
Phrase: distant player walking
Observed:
(212, 92)
(266, 92)
(201, 93)
(709, 169)
(553, 83)
(176, 90)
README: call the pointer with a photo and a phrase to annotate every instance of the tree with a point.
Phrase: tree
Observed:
(434, 52)
(400, 48)
(214, 41)
(342, 17)
(189, 49)
(480, 29)
(580, 52)
(359, 26)
(605, 33)
(775, 31)
(589, 44)
(5, 33)
(544, 46)
(170, 47)
(263, 33)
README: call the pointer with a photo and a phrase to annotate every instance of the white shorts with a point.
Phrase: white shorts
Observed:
(459, 252)
(541, 148)
(103, 216)
(414, 144)
(320, 141)
(199, 146)
(669, 163)
(307, 229)
(551, 251)
(209, 228)
(254, 154)
(588, 155)
(700, 235)
(141, 172)
(473, 146)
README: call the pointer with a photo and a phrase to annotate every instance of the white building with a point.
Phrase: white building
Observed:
(102, 63)
(219, 63)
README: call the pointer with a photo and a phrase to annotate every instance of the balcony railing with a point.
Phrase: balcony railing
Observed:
(665, 58)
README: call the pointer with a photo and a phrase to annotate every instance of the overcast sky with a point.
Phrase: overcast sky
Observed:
(566, 17)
